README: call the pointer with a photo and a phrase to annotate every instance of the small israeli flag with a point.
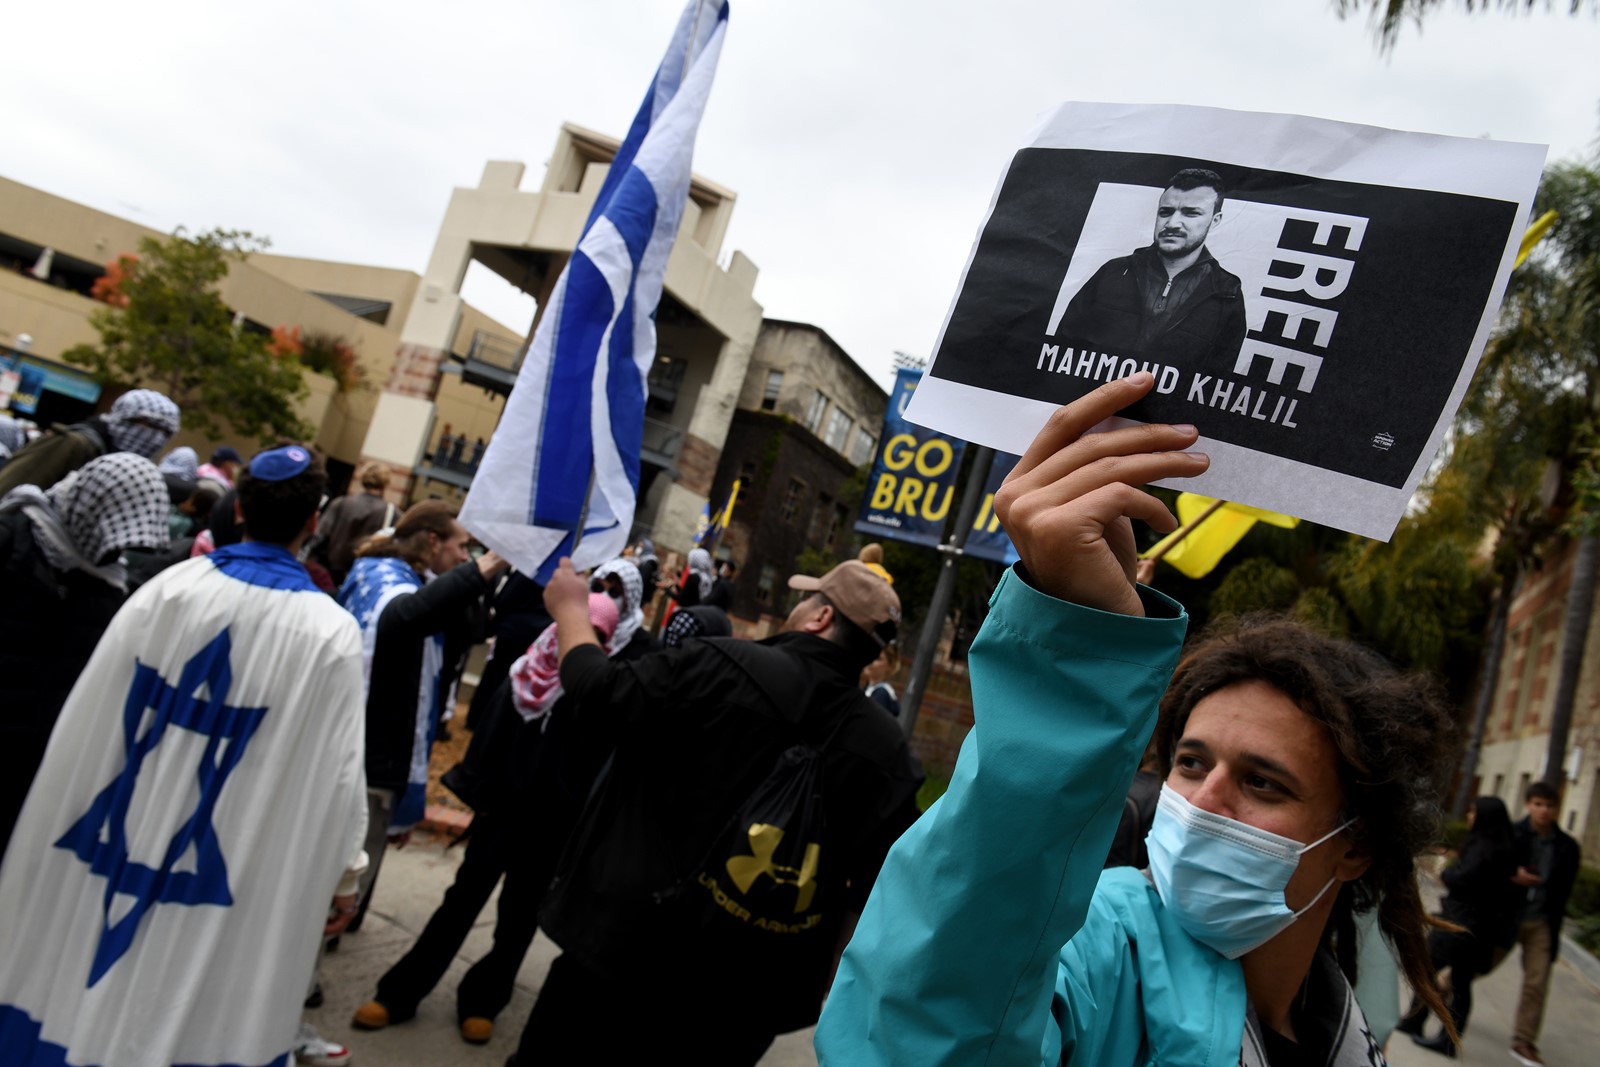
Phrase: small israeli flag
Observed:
(567, 448)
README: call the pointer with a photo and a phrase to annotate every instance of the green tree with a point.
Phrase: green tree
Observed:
(167, 328)
(1524, 437)
(1390, 16)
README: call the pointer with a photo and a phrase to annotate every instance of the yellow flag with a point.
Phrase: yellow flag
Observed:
(1198, 552)
(1535, 234)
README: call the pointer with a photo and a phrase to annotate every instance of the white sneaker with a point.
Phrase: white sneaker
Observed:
(313, 1050)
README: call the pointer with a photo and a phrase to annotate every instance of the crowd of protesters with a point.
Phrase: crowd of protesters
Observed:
(721, 835)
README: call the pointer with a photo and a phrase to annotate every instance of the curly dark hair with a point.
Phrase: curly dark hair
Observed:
(1397, 746)
(276, 512)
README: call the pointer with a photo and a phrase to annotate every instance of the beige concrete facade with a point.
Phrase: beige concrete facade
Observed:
(799, 371)
(706, 326)
(1517, 733)
(268, 290)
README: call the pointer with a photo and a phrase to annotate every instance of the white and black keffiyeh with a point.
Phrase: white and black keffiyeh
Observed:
(142, 421)
(630, 615)
(182, 461)
(109, 504)
(700, 567)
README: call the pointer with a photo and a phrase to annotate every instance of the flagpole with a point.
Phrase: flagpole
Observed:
(583, 517)
(1171, 542)
(943, 590)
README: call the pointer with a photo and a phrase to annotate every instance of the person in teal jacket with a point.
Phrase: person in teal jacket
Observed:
(1304, 776)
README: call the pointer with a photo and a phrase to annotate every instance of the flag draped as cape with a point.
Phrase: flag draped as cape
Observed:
(165, 889)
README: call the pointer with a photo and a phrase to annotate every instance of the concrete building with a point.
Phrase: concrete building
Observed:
(807, 424)
(1517, 734)
(706, 327)
(41, 317)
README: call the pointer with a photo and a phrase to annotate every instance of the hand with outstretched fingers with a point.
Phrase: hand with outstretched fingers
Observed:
(1069, 502)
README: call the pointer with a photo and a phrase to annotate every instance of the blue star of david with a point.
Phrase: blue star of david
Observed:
(196, 703)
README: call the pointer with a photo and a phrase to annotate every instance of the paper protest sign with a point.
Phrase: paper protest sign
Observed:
(1313, 295)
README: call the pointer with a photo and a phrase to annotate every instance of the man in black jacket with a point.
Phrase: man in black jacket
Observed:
(655, 929)
(1170, 301)
(407, 591)
(1547, 866)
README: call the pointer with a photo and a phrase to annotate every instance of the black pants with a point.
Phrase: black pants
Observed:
(492, 850)
(584, 1017)
(1463, 954)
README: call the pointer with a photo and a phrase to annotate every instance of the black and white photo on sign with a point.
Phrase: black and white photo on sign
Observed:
(1316, 312)
(1193, 302)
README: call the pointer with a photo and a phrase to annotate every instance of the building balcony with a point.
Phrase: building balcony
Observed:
(492, 362)
(455, 462)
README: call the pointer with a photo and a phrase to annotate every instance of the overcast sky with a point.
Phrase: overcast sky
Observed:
(863, 137)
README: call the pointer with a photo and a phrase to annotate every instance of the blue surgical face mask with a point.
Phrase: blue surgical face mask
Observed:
(1222, 878)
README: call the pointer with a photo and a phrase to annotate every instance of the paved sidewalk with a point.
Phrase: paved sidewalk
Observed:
(415, 878)
(1571, 1036)
(412, 884)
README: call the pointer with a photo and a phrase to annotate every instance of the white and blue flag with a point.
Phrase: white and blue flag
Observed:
(572, 428)
(163, 895)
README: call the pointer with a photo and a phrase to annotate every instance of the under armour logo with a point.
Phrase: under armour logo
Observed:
(764, 842)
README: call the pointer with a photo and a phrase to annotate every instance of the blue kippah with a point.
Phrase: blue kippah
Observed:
(280, 464)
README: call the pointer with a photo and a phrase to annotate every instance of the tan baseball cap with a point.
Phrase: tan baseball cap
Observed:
(859, 594)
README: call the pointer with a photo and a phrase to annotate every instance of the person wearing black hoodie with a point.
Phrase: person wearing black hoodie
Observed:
(696, 731)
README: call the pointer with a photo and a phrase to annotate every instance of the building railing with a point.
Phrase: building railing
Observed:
(496, 350)
(454, 459)
(661, 442)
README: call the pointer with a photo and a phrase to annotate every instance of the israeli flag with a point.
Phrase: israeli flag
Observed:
(567, 448)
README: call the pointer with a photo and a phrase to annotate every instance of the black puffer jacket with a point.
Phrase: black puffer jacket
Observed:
(1204, 334)
(48, 630)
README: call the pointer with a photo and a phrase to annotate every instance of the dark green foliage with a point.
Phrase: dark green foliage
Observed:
(175, 334)
(1255, 585)
(1583, 907)
(1390, 16)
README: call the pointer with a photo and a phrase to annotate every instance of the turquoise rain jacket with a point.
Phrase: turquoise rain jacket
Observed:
(963, 953)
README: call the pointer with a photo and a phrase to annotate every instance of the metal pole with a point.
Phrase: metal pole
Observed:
(583, 517)
(944, 589)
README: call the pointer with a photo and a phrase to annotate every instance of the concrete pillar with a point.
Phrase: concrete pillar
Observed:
(402, 423)
(686, 497)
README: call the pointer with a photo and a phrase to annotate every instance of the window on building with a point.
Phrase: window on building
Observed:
(865, 445)
(793, 497)
(666, 379)
(838, 430)
(769, 398)
(747, 484)
(766, 584)
(819, 407)
(820, 515)
(841, 519)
